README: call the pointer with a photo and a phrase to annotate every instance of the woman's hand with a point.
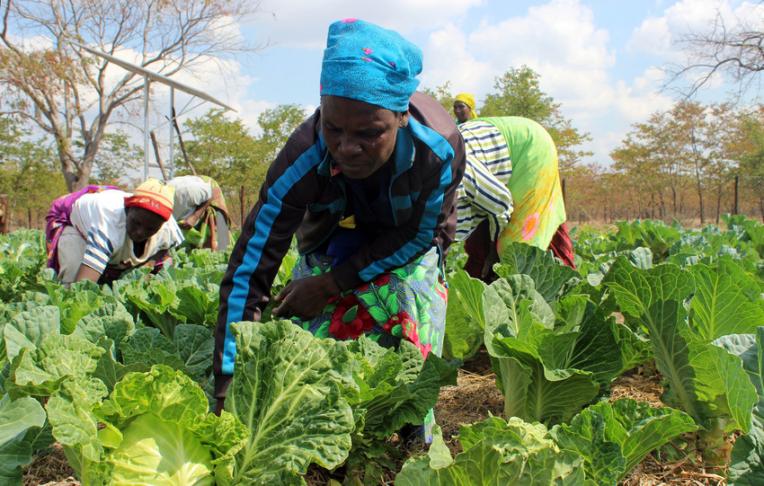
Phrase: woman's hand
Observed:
(306, 297)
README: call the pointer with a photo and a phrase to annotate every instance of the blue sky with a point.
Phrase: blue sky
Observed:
(602, 59)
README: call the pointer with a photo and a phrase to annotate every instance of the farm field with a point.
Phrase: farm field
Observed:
(642, 367)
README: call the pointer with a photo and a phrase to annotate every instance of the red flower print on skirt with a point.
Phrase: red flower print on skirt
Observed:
(350, 319)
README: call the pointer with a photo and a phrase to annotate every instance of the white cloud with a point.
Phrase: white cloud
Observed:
(559, 40)
(303, 23)
(658, 35)
(572, 55)
(447, 58)
(652, 36)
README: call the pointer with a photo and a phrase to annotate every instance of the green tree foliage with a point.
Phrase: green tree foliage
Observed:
(225, 150)
(27, 171)
(443, 95)
(518, 93)
(63, 89)
(277, 124)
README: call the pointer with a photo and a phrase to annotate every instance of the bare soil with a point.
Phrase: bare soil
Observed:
(50, 469)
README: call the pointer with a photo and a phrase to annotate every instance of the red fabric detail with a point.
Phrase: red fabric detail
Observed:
(478, 245)
(362, 323)
(562, 246)
(149, 204)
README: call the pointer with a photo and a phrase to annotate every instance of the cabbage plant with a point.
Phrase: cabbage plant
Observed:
(155, 429)
(683, 311)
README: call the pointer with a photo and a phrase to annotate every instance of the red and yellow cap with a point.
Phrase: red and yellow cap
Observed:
(153, 196)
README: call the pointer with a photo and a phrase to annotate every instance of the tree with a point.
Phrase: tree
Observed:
(223, 149)
(277, 124)
(637, 158)
(690, 146)
(518, 93)
(751, 153)
(66, 91)
(723, 137)
(443, 95)
(736, 50)
(116, 159)
(27, 170)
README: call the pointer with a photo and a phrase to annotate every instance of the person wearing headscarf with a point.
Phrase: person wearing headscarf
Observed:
(368, 184)
(511, 192)
(465, 107)
(201, 212)
(99, 232)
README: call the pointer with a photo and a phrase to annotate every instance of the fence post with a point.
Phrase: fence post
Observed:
(564, 192)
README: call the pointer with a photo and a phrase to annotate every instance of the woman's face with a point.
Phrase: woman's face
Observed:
(462, 111)
(360, 136)
(142, 224)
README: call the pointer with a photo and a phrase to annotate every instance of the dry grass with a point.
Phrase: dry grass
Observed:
(51, 469)
(474, 398)
(688, 471)
(642, 384)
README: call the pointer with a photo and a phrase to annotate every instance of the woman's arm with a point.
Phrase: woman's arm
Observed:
(87, 273)
(265, 239)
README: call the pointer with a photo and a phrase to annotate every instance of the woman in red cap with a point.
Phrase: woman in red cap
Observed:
(100, 232)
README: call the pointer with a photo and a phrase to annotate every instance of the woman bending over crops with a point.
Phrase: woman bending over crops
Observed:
(201, 212)
(368, 184)
(510, 192)
(99, 232)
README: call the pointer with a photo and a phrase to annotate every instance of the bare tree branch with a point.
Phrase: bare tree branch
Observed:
(61, 86)
(736, 51)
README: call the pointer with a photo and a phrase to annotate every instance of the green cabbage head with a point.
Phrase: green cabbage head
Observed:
(163, 452)
(158, 432)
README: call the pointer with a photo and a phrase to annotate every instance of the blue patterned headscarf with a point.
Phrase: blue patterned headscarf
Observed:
(365, 62)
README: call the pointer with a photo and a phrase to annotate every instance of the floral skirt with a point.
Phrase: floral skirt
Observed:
(406, 303)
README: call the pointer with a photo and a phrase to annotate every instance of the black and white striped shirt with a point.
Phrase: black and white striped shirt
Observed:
(484, 190)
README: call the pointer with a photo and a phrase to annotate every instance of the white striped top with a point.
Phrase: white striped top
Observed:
(484, 190)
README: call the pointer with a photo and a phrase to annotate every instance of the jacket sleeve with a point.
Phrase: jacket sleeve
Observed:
(265, 239)
(433, 223)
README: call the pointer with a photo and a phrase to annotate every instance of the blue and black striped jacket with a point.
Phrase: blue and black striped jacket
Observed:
(302, 196)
